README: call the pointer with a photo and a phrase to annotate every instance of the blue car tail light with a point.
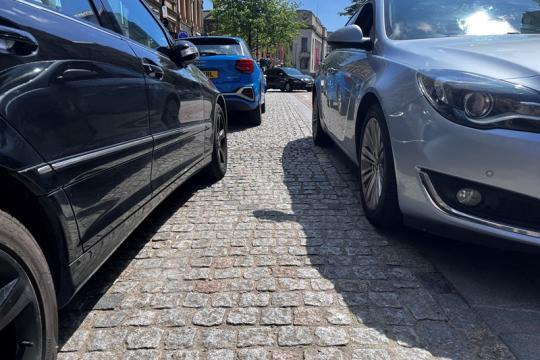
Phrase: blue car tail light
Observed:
(246, 66)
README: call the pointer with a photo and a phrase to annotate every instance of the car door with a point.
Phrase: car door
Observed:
(82, 104)
(281, 79)
(331, 86)
(356, 70)
(272, 78)
(175, 101)
(346, 71)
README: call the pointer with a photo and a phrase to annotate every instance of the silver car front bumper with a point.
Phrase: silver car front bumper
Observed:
(424, 141)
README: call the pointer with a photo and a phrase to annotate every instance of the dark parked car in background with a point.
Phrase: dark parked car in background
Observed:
(102, 115)
(227, 61)
(288, 79)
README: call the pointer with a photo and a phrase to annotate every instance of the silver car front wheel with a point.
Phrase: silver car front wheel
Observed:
(372, 164)
(377, 174)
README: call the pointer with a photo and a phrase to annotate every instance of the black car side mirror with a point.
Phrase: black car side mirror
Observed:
(349, 37)
(184, 53)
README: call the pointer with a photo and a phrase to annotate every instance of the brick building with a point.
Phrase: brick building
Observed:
(181, 15)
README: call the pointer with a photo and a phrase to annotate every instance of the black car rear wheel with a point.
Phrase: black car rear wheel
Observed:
(28, 311)
(218, 167)
(288, 87)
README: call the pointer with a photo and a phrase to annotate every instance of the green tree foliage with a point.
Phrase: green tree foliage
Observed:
(353, 8)
(264, 24)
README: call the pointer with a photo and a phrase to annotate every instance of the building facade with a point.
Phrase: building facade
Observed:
(180, 15)
(209, 25)
(310, 48)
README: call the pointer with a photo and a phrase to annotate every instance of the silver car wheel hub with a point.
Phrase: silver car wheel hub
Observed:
(372, 164)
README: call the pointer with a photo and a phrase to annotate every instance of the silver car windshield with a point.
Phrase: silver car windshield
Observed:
(421, 19)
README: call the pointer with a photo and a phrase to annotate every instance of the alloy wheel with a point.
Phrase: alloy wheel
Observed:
(372, 164)
(21, 328)
(222, 140)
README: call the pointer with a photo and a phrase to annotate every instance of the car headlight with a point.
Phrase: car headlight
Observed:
(481, 102)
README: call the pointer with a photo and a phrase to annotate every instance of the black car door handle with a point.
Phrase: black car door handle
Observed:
(77, 74)
(153, 70)
(17, 42)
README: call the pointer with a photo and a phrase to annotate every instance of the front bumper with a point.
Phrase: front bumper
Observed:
(423, 141)
(302, 85)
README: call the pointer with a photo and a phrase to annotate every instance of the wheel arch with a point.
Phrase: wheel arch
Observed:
(19, 201)
(369, 99)
(220, 100)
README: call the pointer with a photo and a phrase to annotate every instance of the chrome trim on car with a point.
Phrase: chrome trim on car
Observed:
(63, 164)
(239, 93)
(439, 203)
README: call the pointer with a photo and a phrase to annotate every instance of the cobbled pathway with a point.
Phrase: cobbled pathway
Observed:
(276, 261)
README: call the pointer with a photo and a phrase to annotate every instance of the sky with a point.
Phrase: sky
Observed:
(327, 10)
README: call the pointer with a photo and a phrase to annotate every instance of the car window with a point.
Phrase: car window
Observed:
(365, 20)
(80, 9)
(210, 46)
(138, 24)
(217, 49)
(292, 71)
(245, 48)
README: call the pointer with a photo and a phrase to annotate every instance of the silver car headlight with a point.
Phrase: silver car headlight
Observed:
(481, 102)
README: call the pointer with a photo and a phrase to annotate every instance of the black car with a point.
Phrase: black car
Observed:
(288, 79)
(102, 115)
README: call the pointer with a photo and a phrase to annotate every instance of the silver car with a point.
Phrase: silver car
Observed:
(438, 102)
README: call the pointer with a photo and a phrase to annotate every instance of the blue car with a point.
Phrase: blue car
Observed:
(227, 61)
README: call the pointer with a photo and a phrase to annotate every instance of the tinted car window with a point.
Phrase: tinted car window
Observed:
(138, 24)
(247, 52)
(292, 71)
(206, 50)
(419, 19)
(80, 9)
(217, 46)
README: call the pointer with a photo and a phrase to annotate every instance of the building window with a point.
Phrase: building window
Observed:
(304, 63)
(304, 44)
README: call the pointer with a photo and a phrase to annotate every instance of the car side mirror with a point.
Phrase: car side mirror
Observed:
(349, 37)
(184, 53)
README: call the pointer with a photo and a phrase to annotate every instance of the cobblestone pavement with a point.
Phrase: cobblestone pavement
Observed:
(275, 262)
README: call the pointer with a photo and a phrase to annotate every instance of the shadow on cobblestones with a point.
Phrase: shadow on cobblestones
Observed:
(109, 288)
(401, 306)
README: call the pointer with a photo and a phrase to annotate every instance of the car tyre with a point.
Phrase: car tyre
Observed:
(288, 87)
(218, 167)
(255, 116)
(28, 308)
(320, 137)
(377, 172)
